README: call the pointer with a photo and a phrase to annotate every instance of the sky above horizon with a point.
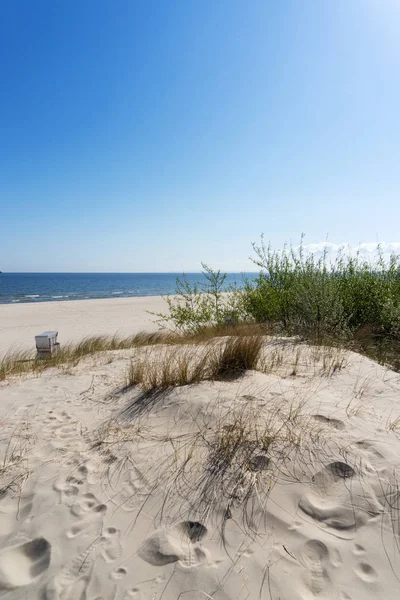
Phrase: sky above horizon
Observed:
(141, 136)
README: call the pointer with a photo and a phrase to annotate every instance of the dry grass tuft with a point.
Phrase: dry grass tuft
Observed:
(235, 330)
(170, 367)
(18, 363)
(231, 464)
(229, 358)
(329, 359)
(220, 461)
(291, 357)
(239, 354)
(214, 353)
(14, 457)
(174, 366)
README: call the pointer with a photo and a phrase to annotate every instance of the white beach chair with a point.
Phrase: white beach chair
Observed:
(46, 344)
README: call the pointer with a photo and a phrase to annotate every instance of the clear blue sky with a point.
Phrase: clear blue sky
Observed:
(152, 135)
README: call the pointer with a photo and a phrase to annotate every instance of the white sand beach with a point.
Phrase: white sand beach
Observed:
(74, 320)
(238, 438)
(107, 493)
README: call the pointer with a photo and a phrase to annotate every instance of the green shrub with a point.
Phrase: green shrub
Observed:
(307, 294)
(296, 291)
(199, 305)
(349, 299)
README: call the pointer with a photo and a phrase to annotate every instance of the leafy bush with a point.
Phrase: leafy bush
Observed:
(309, 295)
(348, 299)
(199, 305)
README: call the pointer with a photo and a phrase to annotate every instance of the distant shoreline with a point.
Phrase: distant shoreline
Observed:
(37, 288)
(66, 299)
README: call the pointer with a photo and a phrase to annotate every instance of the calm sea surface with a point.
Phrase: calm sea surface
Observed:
(52, 287)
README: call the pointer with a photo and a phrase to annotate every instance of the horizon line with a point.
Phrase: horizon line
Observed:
(117, 272)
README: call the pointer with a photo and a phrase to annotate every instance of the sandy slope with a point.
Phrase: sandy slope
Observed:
(74, 320)
(109, 498)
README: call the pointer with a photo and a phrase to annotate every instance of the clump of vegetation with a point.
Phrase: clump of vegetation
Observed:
(170, 367)
(350, 301)
(230, 457)
(296, 291)
(240, 448)
(179, 365)
(22, 362)
(194, 307)
(237, 355)
(14, 464)
(305, 293)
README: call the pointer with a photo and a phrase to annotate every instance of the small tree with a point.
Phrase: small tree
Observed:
(198, 305)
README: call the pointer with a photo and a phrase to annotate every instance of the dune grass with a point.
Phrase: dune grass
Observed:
(187, 364)
(14, 463)
(216, 352)
(350, 303)
(19, 363)
(243, 445)
(228, 358)
(169, 367)
(221, 460)
(239, 354)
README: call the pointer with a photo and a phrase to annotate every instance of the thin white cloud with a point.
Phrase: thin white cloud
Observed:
(367, 250)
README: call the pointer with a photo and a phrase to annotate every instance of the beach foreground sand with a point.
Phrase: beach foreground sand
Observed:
(74, 320)
(279, 485)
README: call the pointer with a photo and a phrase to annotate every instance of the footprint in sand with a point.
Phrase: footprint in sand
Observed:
(23, 564)
(74, 477)
(87, 503)
(78, 476)
(134, 489)
(334, 423)
(138, 593)
(366, 573)
(336, 558)
(67, 431)
(341, 500)
(70, 483)
(57, 417)
(373, 461)
(370, 448)
(60, 425)
(110, 545)
(314, 557)
(358, 550)
(325, 504)
(73, 580)
(133, 594)
(91, 514)
(118, 573)
(178, 543)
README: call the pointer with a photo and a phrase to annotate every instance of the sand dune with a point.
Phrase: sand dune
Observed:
(107, 494)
